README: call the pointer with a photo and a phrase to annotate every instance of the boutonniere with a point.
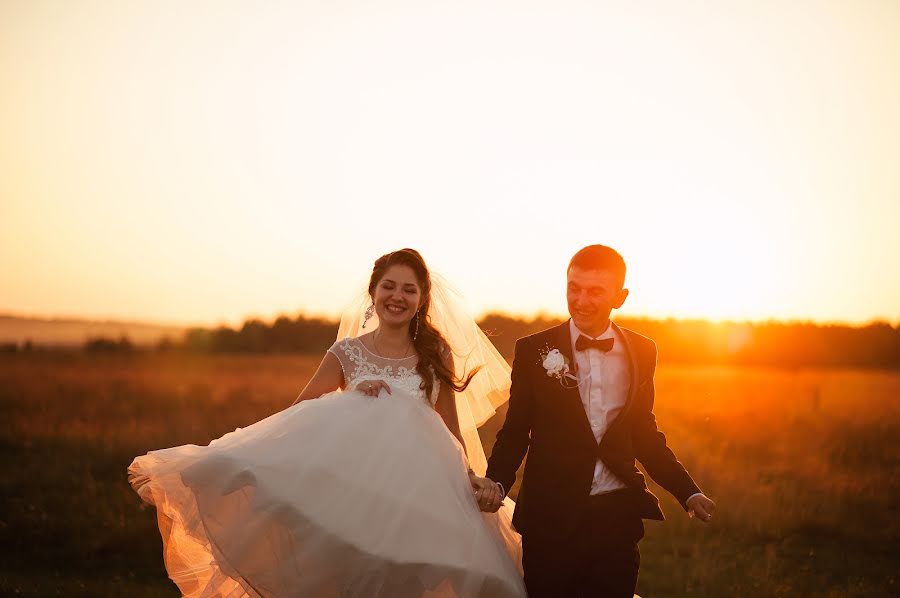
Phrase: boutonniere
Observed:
(557, 366)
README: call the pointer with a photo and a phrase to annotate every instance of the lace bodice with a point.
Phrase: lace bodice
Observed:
(359, 363)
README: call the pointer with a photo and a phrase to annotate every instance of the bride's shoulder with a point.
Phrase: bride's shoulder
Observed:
(349, 344)
(343, 345)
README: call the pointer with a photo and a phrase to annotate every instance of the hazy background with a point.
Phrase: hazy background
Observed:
(205, 161)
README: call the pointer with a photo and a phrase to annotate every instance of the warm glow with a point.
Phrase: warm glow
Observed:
(208, 161)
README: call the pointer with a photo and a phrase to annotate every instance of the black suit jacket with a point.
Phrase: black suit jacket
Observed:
(549, 422)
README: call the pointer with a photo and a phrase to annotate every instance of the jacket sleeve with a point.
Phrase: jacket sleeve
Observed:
(514, 436)
(650, 443)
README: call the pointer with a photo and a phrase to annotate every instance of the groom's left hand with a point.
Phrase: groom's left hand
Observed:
(701, 507)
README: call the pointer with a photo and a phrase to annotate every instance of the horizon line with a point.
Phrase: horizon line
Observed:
(528, 317)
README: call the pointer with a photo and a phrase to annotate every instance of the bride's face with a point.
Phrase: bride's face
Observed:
(397, 296)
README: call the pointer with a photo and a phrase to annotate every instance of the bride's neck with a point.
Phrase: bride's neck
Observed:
(393, 336)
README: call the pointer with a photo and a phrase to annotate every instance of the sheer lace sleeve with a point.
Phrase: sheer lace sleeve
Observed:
(340, 349)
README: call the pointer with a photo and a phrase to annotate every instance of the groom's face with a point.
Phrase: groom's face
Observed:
(592, 295)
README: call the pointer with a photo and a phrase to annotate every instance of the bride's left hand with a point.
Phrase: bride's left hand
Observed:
(373, 387)
(487, 493)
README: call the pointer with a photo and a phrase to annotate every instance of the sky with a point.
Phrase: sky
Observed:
(206, 162)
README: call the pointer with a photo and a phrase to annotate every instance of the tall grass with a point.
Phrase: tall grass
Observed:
(802, 464)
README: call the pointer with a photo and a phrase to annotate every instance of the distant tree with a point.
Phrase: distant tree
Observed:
(102, 344)
(283, 335)
(165, 344)
(198, 340)
(225, 340)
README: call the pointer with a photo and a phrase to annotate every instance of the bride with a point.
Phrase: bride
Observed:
(368, 485)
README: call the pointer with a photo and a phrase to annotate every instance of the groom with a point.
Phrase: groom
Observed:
(581, 405)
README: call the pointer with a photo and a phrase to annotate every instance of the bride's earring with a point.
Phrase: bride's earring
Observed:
(369, 313)
(416, 333)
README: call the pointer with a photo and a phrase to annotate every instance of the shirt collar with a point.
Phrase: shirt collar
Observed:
(573, 329)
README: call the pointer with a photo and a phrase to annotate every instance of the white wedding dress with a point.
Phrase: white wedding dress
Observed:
(344, 495)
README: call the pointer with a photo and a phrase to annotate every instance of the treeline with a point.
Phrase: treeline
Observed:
(761, 344)
(284, 335)
(777, 344)
(792, 345)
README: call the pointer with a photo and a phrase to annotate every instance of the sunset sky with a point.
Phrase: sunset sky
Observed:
(202, 162)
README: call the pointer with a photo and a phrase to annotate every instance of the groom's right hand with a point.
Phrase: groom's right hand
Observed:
(701, 507)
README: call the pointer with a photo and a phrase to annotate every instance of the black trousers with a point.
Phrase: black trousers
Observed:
(600, 558)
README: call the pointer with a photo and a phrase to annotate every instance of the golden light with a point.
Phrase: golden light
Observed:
(204, 163)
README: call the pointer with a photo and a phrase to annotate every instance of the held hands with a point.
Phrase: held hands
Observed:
(701, 507)
(373, 387)
(487, 493)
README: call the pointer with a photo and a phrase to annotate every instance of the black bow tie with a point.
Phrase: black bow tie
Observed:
(584, 343)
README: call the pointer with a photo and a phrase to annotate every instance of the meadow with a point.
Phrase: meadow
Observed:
(802, 463)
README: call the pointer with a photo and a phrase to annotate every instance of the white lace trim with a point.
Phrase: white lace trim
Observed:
(406, 377)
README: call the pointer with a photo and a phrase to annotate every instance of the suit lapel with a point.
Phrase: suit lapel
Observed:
(563, 338)
(632, 373)
(572, 396)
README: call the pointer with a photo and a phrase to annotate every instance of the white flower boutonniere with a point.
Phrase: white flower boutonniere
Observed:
(557, 366)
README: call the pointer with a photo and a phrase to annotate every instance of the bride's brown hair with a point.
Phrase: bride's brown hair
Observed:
(435, 354)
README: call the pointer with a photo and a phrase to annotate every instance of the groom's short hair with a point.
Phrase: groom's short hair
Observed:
(599, 257)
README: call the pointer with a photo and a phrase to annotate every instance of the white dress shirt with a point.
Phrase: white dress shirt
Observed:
(603, 381)
(603, 398)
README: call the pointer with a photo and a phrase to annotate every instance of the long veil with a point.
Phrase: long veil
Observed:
(489, 388)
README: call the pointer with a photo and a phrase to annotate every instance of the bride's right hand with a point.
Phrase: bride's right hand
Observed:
(373, 387)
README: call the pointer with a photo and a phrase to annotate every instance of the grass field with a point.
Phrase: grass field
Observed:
(803, 465)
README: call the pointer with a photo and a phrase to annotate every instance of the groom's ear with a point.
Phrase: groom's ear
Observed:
(621, 296)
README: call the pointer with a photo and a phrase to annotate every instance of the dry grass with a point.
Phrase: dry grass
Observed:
(803, 465)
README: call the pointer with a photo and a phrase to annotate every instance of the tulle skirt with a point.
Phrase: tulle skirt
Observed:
(345, 495)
